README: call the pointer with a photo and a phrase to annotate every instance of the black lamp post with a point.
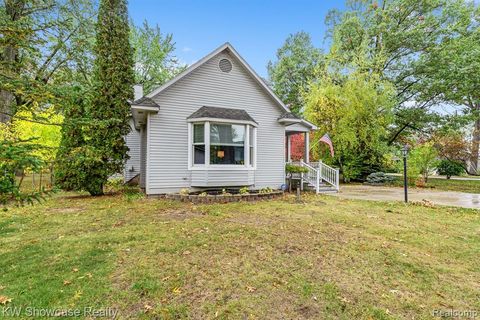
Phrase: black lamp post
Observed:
(405, 182)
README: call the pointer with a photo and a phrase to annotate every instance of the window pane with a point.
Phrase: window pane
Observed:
(229, 134)
(198, 133)
(250, 134)
(227, 155)
(199, 154)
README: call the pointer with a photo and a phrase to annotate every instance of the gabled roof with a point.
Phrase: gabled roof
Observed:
(229, 47)
(221, 113)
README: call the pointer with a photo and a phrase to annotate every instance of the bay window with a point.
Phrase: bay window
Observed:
(222, 144)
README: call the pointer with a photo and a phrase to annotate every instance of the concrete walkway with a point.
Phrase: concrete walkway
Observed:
(447, 198)
(461, 178)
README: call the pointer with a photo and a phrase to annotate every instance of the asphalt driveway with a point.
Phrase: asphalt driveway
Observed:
(447, 198)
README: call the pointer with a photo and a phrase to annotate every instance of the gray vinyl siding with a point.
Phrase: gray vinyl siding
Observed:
(133, 143)
(143, 157)
(208, 86)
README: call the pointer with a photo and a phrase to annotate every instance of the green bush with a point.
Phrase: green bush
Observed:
(379, 178)
(244, 190)
(293, 168)
(449, 168)
(265, 190)
(351, 171)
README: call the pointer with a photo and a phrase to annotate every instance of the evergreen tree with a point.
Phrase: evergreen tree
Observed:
(113, 82)
(70, 173)
(93, 146)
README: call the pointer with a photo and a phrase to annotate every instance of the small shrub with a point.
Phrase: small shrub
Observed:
(293, 168)
(265, 190)
(226, 193)
(185, 192)
(244, 190)
(424, 159)
(379, 178)
(203, 194)
(449, 168)
(114, 185)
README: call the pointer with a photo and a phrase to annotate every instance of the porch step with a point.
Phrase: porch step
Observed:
(323, 188)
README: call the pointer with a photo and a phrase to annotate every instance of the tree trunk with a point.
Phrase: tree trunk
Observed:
(15, 10)
(6, 97)
(473, 168)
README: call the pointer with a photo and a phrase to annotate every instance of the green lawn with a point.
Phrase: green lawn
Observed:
(324, 259)
(469, 186)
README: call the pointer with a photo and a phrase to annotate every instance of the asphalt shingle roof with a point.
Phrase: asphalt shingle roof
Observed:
(221, 113)
(289, 115)
(146, 102)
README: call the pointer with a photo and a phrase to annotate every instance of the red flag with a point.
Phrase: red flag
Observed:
(326, 139)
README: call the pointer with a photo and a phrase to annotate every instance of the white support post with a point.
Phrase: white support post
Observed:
(317, 185)
(307, 147)
(320, 164)
(301, 176)
(246, 149)
(206, 138)
(337, 182)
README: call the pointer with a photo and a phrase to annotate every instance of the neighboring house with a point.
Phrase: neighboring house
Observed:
(215, 125)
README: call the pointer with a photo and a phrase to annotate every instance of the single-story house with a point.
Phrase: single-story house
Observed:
(215, 125)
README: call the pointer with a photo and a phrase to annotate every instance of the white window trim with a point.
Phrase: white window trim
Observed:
(234, 167)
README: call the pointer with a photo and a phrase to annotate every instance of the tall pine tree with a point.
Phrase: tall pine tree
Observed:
(113, 88)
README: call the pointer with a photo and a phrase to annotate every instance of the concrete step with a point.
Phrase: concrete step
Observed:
(323, 188)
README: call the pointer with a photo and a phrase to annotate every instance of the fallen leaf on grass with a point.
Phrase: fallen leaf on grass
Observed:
(345, 300)
(4, 300)
(147, 307)
(177, 290)
(2, 287)
(185, 253)
(166, 278)
(251, 289)
(78, 295)
(66, 282)
(75, 270)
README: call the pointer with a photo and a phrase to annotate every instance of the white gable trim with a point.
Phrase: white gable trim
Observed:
(302, 125)
(208, 57)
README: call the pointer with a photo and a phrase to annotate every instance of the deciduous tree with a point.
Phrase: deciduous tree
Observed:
(356, 114)
(294, 68)
(155, 62)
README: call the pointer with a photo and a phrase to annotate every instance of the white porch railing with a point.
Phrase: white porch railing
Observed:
(319, 172)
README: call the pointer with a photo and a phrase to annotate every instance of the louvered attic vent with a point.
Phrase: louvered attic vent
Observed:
(225, 65)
